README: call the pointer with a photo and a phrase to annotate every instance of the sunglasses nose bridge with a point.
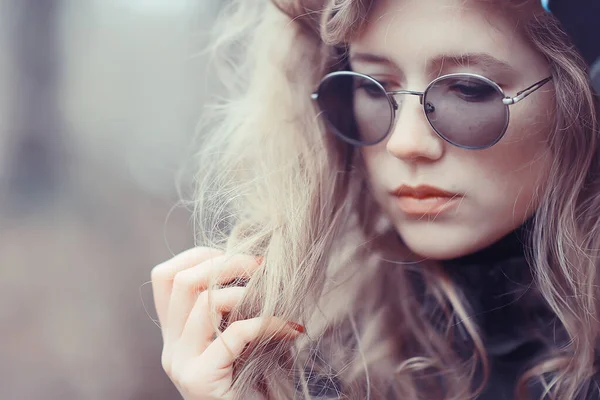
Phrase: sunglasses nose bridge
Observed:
(408, 92)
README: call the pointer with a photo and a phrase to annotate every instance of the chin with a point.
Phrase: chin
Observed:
(439, 253)
(445, 244)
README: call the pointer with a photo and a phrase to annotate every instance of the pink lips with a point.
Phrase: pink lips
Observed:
(424, 199)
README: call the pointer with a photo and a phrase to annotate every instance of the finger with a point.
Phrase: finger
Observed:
(198, 331)
(223, 351)
(164, 273)
(188, 283)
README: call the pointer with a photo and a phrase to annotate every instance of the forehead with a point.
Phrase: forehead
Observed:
(415, 31)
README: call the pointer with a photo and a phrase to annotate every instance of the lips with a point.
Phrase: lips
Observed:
(424, 199)
(421, 192)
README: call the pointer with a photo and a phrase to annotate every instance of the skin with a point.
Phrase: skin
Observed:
(418, 41)
(498, 184)
(201, 366)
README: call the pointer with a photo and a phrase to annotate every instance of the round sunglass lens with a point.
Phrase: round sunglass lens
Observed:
(356, 108)
(467, 111)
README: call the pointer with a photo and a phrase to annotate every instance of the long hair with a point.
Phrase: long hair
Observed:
(272, 182)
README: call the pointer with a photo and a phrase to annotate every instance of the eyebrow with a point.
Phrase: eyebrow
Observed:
(484, 60)
(371, 58)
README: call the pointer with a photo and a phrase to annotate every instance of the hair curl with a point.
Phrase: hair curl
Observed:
(272, 182)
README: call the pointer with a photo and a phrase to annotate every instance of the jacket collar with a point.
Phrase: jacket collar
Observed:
(497, 283)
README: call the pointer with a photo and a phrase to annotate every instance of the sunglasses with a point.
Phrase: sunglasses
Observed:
(466, 110)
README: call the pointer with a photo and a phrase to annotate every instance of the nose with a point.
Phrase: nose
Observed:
(412, 138)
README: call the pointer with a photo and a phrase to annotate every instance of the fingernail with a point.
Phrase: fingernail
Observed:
(296, 326)
(259, 259)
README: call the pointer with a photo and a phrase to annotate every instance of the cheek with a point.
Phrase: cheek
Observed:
(372, 160)
(523, 154)
(531, 123)
(379, 173)
(517, 166)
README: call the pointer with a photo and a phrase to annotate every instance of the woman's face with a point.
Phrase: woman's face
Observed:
(406, 45)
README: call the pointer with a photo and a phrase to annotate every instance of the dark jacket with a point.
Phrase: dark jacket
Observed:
(516, 325)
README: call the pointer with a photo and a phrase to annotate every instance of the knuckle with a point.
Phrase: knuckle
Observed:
(163, 269)
(234, 295)
(183, 280)
(242, 330)
(204, 250)
(158, 273)
(237, 327)
(176, 378)
(188, 381)
(203, 298)
(166, 363)
(247, 261)
(202, 253)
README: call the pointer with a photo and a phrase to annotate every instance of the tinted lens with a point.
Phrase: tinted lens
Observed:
(467, 111)
(356, 108)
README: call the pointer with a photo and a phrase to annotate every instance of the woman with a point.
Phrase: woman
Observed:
(413, 181)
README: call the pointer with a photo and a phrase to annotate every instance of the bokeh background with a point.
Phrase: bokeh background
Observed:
(98, 107)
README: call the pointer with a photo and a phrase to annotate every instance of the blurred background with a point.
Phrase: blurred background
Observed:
(99, 104)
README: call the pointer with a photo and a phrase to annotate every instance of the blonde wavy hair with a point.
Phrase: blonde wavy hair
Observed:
(273, 183)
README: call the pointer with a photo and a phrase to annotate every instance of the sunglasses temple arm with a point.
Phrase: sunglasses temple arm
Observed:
(525, 92)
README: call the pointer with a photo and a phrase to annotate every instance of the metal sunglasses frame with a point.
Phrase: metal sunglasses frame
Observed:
(506, 101)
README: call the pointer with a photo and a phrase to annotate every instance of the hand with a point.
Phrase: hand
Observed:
(199, 365)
